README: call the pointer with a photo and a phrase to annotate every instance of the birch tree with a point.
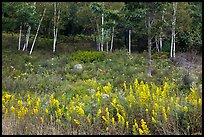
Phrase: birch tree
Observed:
(27, 38)
(56, 24)
(102, 31)
(173, 34)
(37, 32)
(19, 40)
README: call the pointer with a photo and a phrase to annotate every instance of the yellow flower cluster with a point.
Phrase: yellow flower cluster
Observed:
(150, 104)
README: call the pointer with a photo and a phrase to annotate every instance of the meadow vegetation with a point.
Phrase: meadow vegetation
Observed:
(112, 94)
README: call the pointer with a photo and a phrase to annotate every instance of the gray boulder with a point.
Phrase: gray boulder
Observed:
(78, 66)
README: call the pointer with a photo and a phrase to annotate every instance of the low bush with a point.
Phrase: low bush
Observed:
(88, 56)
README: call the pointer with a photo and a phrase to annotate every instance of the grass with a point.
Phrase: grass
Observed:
(73, 98)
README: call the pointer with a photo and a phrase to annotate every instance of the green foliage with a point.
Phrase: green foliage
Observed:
(88, 56)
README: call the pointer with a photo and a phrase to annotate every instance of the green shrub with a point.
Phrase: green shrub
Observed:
(88, 56)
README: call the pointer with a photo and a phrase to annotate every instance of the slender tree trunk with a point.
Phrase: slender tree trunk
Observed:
(56, 23)
(129, 41)
(107, 46)
(160, 42)
(98, 41)
(55, 10)
(161, 32)
(149, 74)
(157, 44)
(112, 40)
(102, 33)
(37, 31)
(173, 41)
(27, 38)
(19, 40)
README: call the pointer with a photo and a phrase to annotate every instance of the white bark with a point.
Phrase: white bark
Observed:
(102, 33)
(160, 42)
(27, 38)
(129, 41)
(37, 32)
(149, 74)
(173, 41)
(19, 40)
(55, 10)
(56, 23)
(112, 40)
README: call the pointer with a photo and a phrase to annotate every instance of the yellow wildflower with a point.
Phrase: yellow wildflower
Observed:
(127, 124)
(41, 119)
(89, 118)
(103, 117)
(46, 111)
(20, 102)
(58, 120)
(200, 101)
(113, 121)
(134, 132)
(12, 109)
(98, 113)
(140, 131)
(144, 127)
(77, 121)
(106, 129)
(153, 120)
(185, 109)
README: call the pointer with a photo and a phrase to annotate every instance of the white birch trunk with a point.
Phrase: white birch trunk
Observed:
(173, 41)
(27, 38)
(54, 26)
(160, 42)
(129, 41)
(149, 74)
(37, 31)
(102, 33)
(19, 40)
(174, 30)
(112, 40)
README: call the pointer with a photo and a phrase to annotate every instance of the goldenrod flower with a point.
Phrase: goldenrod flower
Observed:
(127, 124)
(89, 118)
(140, 131)
(12, 109)
(185, 109)
(41, 119)
(58, 120)
(106, 129)
(35, 110)
(153, 120)
(200, 101)
(113, 121)
(107, 122)
(136, 125)
(79, 110)
(77, 121)
(7, 96)
(20, 102)
(144, 127)
(98, 113)
(46, 111)
(134, 131)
